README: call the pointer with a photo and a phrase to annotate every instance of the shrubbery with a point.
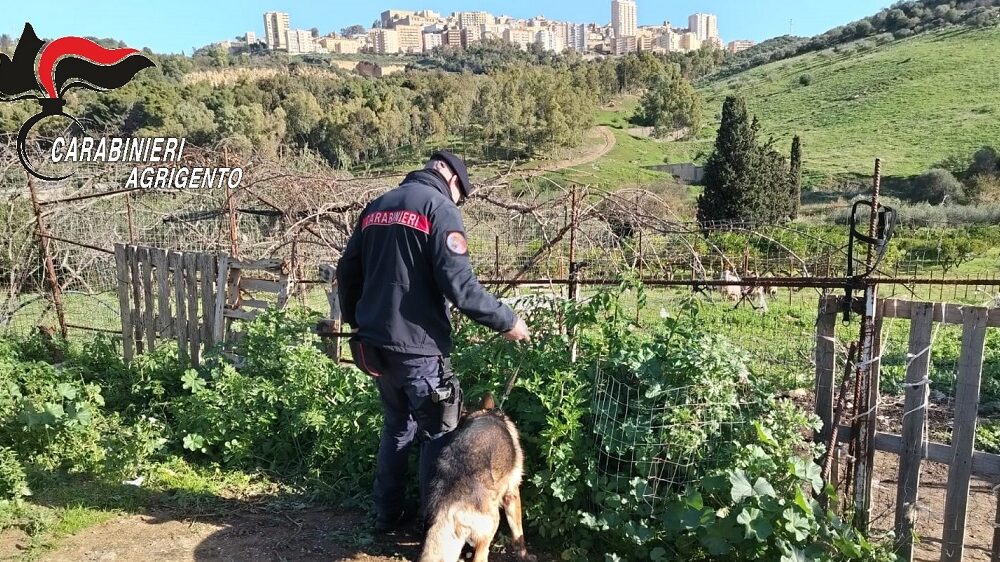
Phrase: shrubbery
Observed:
(937, 186)
(292, 412)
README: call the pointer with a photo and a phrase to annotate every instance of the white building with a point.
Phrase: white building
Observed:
(432, 40)
(385, 41)
(704, 26)
(475, 20)
(624, 18)
(518, 36)
(740, 45)
(577, 38)
(549, 41)
(625, 45)
(276, 30)
(300, 41)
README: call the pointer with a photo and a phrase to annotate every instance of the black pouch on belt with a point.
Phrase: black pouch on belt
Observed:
(449, 396)
(366, 357)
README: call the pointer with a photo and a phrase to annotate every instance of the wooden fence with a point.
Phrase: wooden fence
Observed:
(191, 297)
(912, 446)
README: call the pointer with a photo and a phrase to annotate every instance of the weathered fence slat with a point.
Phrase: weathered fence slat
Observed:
(164, 321)
(943, 312)
(219, 306)
(136, 309)
(284, 289)
(180, 294)
(122, 273)
(985, 465)
(826, 364)
(266, 285)
(970, 371)
(914, 416)
(273, 265)
(191, 278)
(255, 303)
(149, 305)
(234, 300)
(206, 270)
(240, 315)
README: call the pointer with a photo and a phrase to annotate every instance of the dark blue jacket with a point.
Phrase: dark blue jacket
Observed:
(407, 257)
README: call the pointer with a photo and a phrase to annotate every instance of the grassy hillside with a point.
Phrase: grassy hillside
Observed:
(913, 103)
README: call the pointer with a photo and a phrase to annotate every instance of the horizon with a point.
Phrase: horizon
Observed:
(175, 32)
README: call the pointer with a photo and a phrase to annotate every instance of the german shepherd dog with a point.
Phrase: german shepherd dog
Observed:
(477, 473)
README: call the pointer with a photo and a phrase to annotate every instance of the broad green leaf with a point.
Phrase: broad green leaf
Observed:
(741, 486)
(756, 526)
(658, 554)
(763, 488)
(66, 390)
(54, 410)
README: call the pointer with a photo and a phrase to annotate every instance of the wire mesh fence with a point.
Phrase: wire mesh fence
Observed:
(663, 438)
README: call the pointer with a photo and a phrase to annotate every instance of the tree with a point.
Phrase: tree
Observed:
(304, 113)
(6, 44)
(795, 178)
(314, 32)
(744, 181)
(937, 186)
(637, 71)
(670, 104)
(352, 30)
(984, 161)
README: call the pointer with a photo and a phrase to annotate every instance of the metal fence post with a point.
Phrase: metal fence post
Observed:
(50, 270)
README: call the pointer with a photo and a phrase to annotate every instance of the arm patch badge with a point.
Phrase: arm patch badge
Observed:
(457, 243)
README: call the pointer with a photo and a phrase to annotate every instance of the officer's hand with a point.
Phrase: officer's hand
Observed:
(518, 333)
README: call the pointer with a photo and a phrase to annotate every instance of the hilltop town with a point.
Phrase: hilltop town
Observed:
(422, 31)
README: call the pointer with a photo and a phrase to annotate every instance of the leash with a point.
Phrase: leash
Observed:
(510, 383)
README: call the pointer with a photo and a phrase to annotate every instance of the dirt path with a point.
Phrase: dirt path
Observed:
(608, 142)
(299, 535)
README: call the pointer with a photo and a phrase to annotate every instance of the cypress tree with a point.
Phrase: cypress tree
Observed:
(730, 165)
(744, 180)
(795, 179)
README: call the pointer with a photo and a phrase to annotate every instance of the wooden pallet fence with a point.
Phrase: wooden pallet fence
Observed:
(912, 446)
(252, 286)
(191, 297)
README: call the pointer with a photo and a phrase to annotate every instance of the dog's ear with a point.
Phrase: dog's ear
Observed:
(487, 403)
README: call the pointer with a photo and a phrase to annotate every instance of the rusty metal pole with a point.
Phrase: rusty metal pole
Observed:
(50, 269)
(573, 286)
(572, 246)
(639, 267)
(496, 257)
(234, 248)
(867, 393)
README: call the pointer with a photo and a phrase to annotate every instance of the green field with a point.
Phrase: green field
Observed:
(913, 103)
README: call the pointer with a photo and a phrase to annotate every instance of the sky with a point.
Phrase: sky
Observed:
(180, 25)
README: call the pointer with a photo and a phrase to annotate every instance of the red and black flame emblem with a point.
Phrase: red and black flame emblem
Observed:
(47, 71)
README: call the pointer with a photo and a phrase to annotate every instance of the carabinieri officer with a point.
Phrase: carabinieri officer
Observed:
(406, 260)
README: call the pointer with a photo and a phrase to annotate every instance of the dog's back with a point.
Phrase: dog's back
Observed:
(479, 471)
